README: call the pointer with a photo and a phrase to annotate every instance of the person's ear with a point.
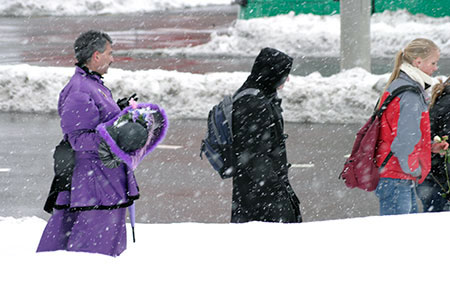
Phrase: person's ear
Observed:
(417, 62)
(95, 56)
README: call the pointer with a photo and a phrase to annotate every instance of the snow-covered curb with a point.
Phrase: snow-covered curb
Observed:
(347, 97)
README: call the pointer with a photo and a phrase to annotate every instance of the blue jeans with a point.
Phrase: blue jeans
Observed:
(397, 196)
(429, 192)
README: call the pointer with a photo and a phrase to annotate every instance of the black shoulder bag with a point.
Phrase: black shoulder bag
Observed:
(63, 165)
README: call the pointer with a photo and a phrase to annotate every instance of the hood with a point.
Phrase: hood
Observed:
(270, 70)
(446, 90)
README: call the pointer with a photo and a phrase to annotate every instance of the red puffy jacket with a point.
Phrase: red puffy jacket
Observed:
(405, 130)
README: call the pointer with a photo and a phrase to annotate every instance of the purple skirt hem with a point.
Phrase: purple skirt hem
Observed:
(92, 231)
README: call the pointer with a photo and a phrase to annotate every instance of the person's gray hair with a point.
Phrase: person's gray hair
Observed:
(89, 42)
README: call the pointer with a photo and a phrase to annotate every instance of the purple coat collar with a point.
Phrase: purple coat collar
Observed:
(84, 71)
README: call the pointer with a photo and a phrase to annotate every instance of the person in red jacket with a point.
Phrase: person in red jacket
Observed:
(405, 129)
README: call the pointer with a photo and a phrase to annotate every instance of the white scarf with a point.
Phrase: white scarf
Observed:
(417, 75)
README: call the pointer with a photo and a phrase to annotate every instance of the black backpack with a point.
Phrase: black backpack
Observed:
(217, 145)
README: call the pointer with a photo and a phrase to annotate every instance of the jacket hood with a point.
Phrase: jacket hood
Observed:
(270, 70)
(446, 91)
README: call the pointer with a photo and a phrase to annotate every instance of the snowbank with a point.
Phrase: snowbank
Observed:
(347, 97)
(397, 257)
(94, 7)
(319, 36)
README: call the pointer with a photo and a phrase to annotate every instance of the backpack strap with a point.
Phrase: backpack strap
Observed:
(228, 109)
(249, 91)
(395, 93)
(277, 122)
(386, 159)
(380, 111)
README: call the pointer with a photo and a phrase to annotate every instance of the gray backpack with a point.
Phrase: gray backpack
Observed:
(217, 145)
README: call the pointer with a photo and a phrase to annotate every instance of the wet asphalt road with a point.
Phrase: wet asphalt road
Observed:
(176, 186)
(48, 41)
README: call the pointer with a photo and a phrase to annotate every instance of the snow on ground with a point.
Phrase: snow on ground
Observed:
(313, 35)
(94, 7)
(396, 257)
(347, 97)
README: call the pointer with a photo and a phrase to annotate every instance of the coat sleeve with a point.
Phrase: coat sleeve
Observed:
(408, 131)
(79, 118)
(254, 141)
(440, 117)
(440, 125)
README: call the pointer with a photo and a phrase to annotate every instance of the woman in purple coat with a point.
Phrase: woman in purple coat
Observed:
(90, 216)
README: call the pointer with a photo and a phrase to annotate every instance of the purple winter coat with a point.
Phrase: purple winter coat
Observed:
(84, 104)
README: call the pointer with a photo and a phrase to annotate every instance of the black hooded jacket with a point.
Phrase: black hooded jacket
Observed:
(261, 189)
(440, 125)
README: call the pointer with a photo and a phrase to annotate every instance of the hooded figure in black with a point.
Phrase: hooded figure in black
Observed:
(261, 189)
(431, 192)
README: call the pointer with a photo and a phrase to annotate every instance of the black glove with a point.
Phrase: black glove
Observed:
(108, 158)
(124, 102)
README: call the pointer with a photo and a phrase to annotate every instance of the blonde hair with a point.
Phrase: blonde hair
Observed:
(417, 48)
(438, 89)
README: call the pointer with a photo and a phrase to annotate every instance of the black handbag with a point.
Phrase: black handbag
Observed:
(64, 159)
(63, 165)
